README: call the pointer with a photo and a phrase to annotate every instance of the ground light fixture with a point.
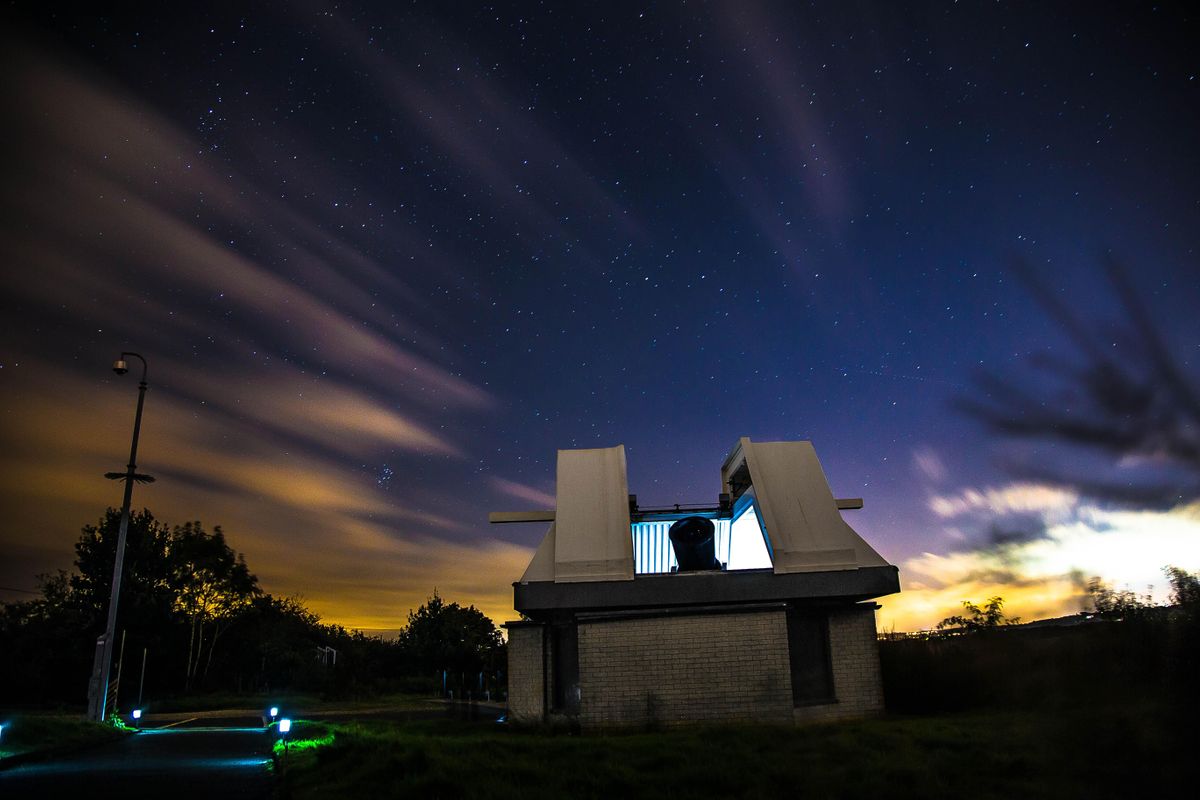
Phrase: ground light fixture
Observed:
(274, 712)
(285, 727)
(137, 717)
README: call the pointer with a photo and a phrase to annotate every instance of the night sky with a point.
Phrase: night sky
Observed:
(384, 261)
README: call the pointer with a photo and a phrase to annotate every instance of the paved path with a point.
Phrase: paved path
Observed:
(207, 755)
(226, 758)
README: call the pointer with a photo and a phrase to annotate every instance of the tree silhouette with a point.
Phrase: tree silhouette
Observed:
(446, 636)
(212, 585)
(979, 618)
(1132, 402)
(147, 583)
(1117, 604)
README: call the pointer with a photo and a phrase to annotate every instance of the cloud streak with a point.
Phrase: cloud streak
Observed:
(520, 491)
(279, 381)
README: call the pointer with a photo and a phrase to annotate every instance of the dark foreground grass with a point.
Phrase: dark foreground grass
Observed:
(1120, 752)
(289, 701)
(28, 734)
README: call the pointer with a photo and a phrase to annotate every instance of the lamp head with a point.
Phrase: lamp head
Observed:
(120, 367)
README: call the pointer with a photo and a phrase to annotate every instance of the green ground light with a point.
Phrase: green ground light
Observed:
(304, 736)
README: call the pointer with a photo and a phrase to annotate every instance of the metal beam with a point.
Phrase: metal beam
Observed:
(500, 517)
(547, 515)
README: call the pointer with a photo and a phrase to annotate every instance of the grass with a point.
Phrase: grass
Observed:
(308, 702)
(1118, 752)
(34, 733)
(217, 701)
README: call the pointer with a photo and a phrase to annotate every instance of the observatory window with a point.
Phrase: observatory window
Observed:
(808, 651)
(739, 542)
(747, 541)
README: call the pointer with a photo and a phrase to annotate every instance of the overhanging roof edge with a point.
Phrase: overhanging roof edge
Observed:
(712, 588)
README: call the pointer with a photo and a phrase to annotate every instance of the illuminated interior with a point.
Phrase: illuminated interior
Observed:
(739, 541)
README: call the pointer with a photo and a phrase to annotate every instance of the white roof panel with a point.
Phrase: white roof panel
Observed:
(592, 537)
(798, 509)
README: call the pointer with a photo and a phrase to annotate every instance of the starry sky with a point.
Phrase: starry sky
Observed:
(385, 259)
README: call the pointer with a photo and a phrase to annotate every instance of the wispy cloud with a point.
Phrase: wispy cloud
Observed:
(284, 370)
(929, 464)
(522, 492)
(1017, 497)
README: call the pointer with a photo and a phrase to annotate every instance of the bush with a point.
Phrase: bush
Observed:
(1030, 668)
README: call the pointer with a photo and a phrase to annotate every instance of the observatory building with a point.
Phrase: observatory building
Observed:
(755, 608)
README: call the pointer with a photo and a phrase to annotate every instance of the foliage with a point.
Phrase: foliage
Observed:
(47, 733)
(1132, 402)
(1184, 626)
(462, 642)
(1116, 604)
(987, 617)
(1031, 668)
(1124, 604)
(1129, 651)
(193, 609)
(211, 587)
(1185, 587)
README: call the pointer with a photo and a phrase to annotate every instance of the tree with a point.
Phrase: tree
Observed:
(987, 617)
(1121, 405)
(191, 603)
(178, 583)
(445, 636)
(48, 642)
(146, 584)
(212, 585)
(1185, 588)
(273, 646)
(1117, 605)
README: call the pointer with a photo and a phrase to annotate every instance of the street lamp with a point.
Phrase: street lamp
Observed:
(98, 698)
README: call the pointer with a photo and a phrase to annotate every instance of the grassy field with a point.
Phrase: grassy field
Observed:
(1105, 711)
(311, 702)
(27, 733)
(1094, 753)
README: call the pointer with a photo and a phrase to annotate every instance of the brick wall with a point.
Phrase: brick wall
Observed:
(672, 669)
(704, 666)
(857, 681)
(526, 702)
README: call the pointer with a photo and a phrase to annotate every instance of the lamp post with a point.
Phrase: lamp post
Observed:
(99, 689)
